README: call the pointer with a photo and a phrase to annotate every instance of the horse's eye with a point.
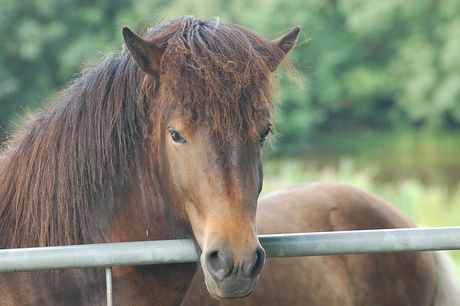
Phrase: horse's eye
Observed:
(176, 137)
(263, 136)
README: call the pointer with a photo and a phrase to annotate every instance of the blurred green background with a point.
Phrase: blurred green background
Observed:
(380, 104)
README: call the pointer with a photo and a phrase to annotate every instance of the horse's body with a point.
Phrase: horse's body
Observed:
(413, 278)
(161, 141)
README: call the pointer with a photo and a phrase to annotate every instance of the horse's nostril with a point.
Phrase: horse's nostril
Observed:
(220, 263)
(260, 261)
(254, 264)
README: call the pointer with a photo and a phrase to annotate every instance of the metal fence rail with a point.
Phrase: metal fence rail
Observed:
(179, 251)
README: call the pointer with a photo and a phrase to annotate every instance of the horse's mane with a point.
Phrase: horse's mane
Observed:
(70, 157)
(77, 156)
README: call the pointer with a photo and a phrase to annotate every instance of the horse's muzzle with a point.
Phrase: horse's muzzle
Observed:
(228, 277)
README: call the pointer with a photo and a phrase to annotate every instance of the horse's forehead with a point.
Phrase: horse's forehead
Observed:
(207, 124)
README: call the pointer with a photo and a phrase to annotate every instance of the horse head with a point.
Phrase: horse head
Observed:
(211, 114)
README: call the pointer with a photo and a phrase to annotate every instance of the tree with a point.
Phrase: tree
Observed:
(368, 65)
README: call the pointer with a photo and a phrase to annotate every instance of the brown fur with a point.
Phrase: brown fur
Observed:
(80, 153)
(96, 165)
(364, 279)
(232, 66)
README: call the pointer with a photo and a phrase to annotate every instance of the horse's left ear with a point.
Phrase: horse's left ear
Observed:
(287, 42)
(147, 55)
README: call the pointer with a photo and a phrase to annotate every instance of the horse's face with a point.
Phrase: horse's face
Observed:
(218, 186)
(214, 183)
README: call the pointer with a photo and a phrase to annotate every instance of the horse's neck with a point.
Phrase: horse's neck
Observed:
(141, 213)
(147, 288)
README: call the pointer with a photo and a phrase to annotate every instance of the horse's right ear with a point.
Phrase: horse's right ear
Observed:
(147, 55)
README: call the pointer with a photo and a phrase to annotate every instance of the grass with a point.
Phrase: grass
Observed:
(427, 205)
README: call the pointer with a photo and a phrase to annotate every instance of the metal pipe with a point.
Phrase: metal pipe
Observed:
(98, 255)
(364, 241)
(179, 251)
(108, 283)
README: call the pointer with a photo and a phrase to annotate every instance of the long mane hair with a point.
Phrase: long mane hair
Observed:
(74, 159)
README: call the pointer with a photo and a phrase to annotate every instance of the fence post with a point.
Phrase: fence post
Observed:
(108, 281)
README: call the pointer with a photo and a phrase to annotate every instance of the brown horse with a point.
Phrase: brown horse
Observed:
(161, 141)
(412, 278)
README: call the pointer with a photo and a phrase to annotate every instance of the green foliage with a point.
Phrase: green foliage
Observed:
(363, 64)
(44, 44)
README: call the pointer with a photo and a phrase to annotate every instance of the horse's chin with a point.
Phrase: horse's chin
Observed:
(227, 294)
(231, 298)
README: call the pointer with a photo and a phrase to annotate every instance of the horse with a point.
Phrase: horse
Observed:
(409, 278)
(162, 140)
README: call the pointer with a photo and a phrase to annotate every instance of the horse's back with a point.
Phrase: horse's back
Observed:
(326, 207)
(364, 279)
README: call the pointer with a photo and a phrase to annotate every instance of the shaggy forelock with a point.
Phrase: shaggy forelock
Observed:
(215, 73)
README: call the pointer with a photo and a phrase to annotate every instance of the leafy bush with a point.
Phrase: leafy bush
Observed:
(368, 64)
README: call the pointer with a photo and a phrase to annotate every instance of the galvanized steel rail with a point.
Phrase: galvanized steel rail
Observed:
(180, 251)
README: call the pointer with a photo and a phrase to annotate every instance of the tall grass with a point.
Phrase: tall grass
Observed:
(429, 206)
